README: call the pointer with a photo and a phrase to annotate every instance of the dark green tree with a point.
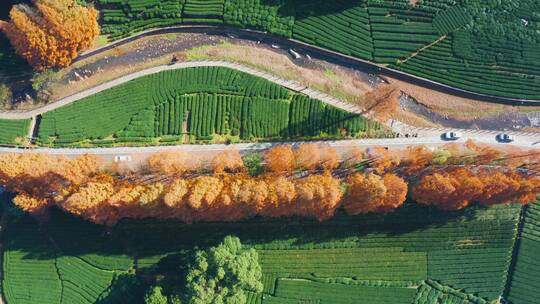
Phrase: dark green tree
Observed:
(253, 162)
(222, 274)
(155, 296)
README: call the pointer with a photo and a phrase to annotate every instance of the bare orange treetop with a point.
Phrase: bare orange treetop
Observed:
(230, 160)
(280, 159)
(373, 193)
(170, 162)
(52, 33)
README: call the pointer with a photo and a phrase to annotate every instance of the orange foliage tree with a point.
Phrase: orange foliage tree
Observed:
(51, 34)
(383, 160)
(373, 193)
(417, 158)
(230, 160)
(452, 190)
(308, 156)
(329, 158)
(79, 186)
(456, 188)
(169, 162)
(318, 196)
(280, 159)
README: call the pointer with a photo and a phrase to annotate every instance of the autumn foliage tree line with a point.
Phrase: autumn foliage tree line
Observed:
(308, 181)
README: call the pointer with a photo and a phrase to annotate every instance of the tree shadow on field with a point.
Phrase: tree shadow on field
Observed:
(148, 237)
(330, 122)
(124, 289)
(171, 236)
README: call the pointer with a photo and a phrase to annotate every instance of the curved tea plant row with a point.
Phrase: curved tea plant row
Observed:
(40, 268)
(198, 103)
(523, 284)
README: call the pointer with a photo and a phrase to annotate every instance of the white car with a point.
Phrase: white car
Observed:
(295, 54)
(122, 158)
(451, 135)
(503, 137)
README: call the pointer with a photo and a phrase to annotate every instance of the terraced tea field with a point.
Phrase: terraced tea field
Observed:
(524, 284)
(415, 255)
(198, 103)
(447, 41)
(13, 131)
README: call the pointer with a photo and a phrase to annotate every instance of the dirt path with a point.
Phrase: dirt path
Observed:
(423, 49)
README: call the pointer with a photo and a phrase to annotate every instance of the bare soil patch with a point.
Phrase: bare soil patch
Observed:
(455, 107)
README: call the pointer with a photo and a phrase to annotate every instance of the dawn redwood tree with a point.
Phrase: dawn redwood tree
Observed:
(52, 33)
(308, 156)
(169, 162)
(383, 160)
(317, 196)
(280, 159)
(329, 158)
(374, 193)
(448, 190)
(223, 274)
(228, 160)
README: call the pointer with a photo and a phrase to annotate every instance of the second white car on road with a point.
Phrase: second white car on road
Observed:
(451, 136)
(506, 138)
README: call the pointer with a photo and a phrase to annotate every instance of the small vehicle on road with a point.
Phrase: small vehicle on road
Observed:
(506, 138)
(295, 54)
(275, 46)
(451, 136)
(122, 158)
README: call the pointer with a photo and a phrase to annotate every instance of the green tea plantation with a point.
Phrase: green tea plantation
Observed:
(197, 104)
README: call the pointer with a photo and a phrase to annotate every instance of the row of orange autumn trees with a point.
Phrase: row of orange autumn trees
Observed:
(52, 33)
(310, 181)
